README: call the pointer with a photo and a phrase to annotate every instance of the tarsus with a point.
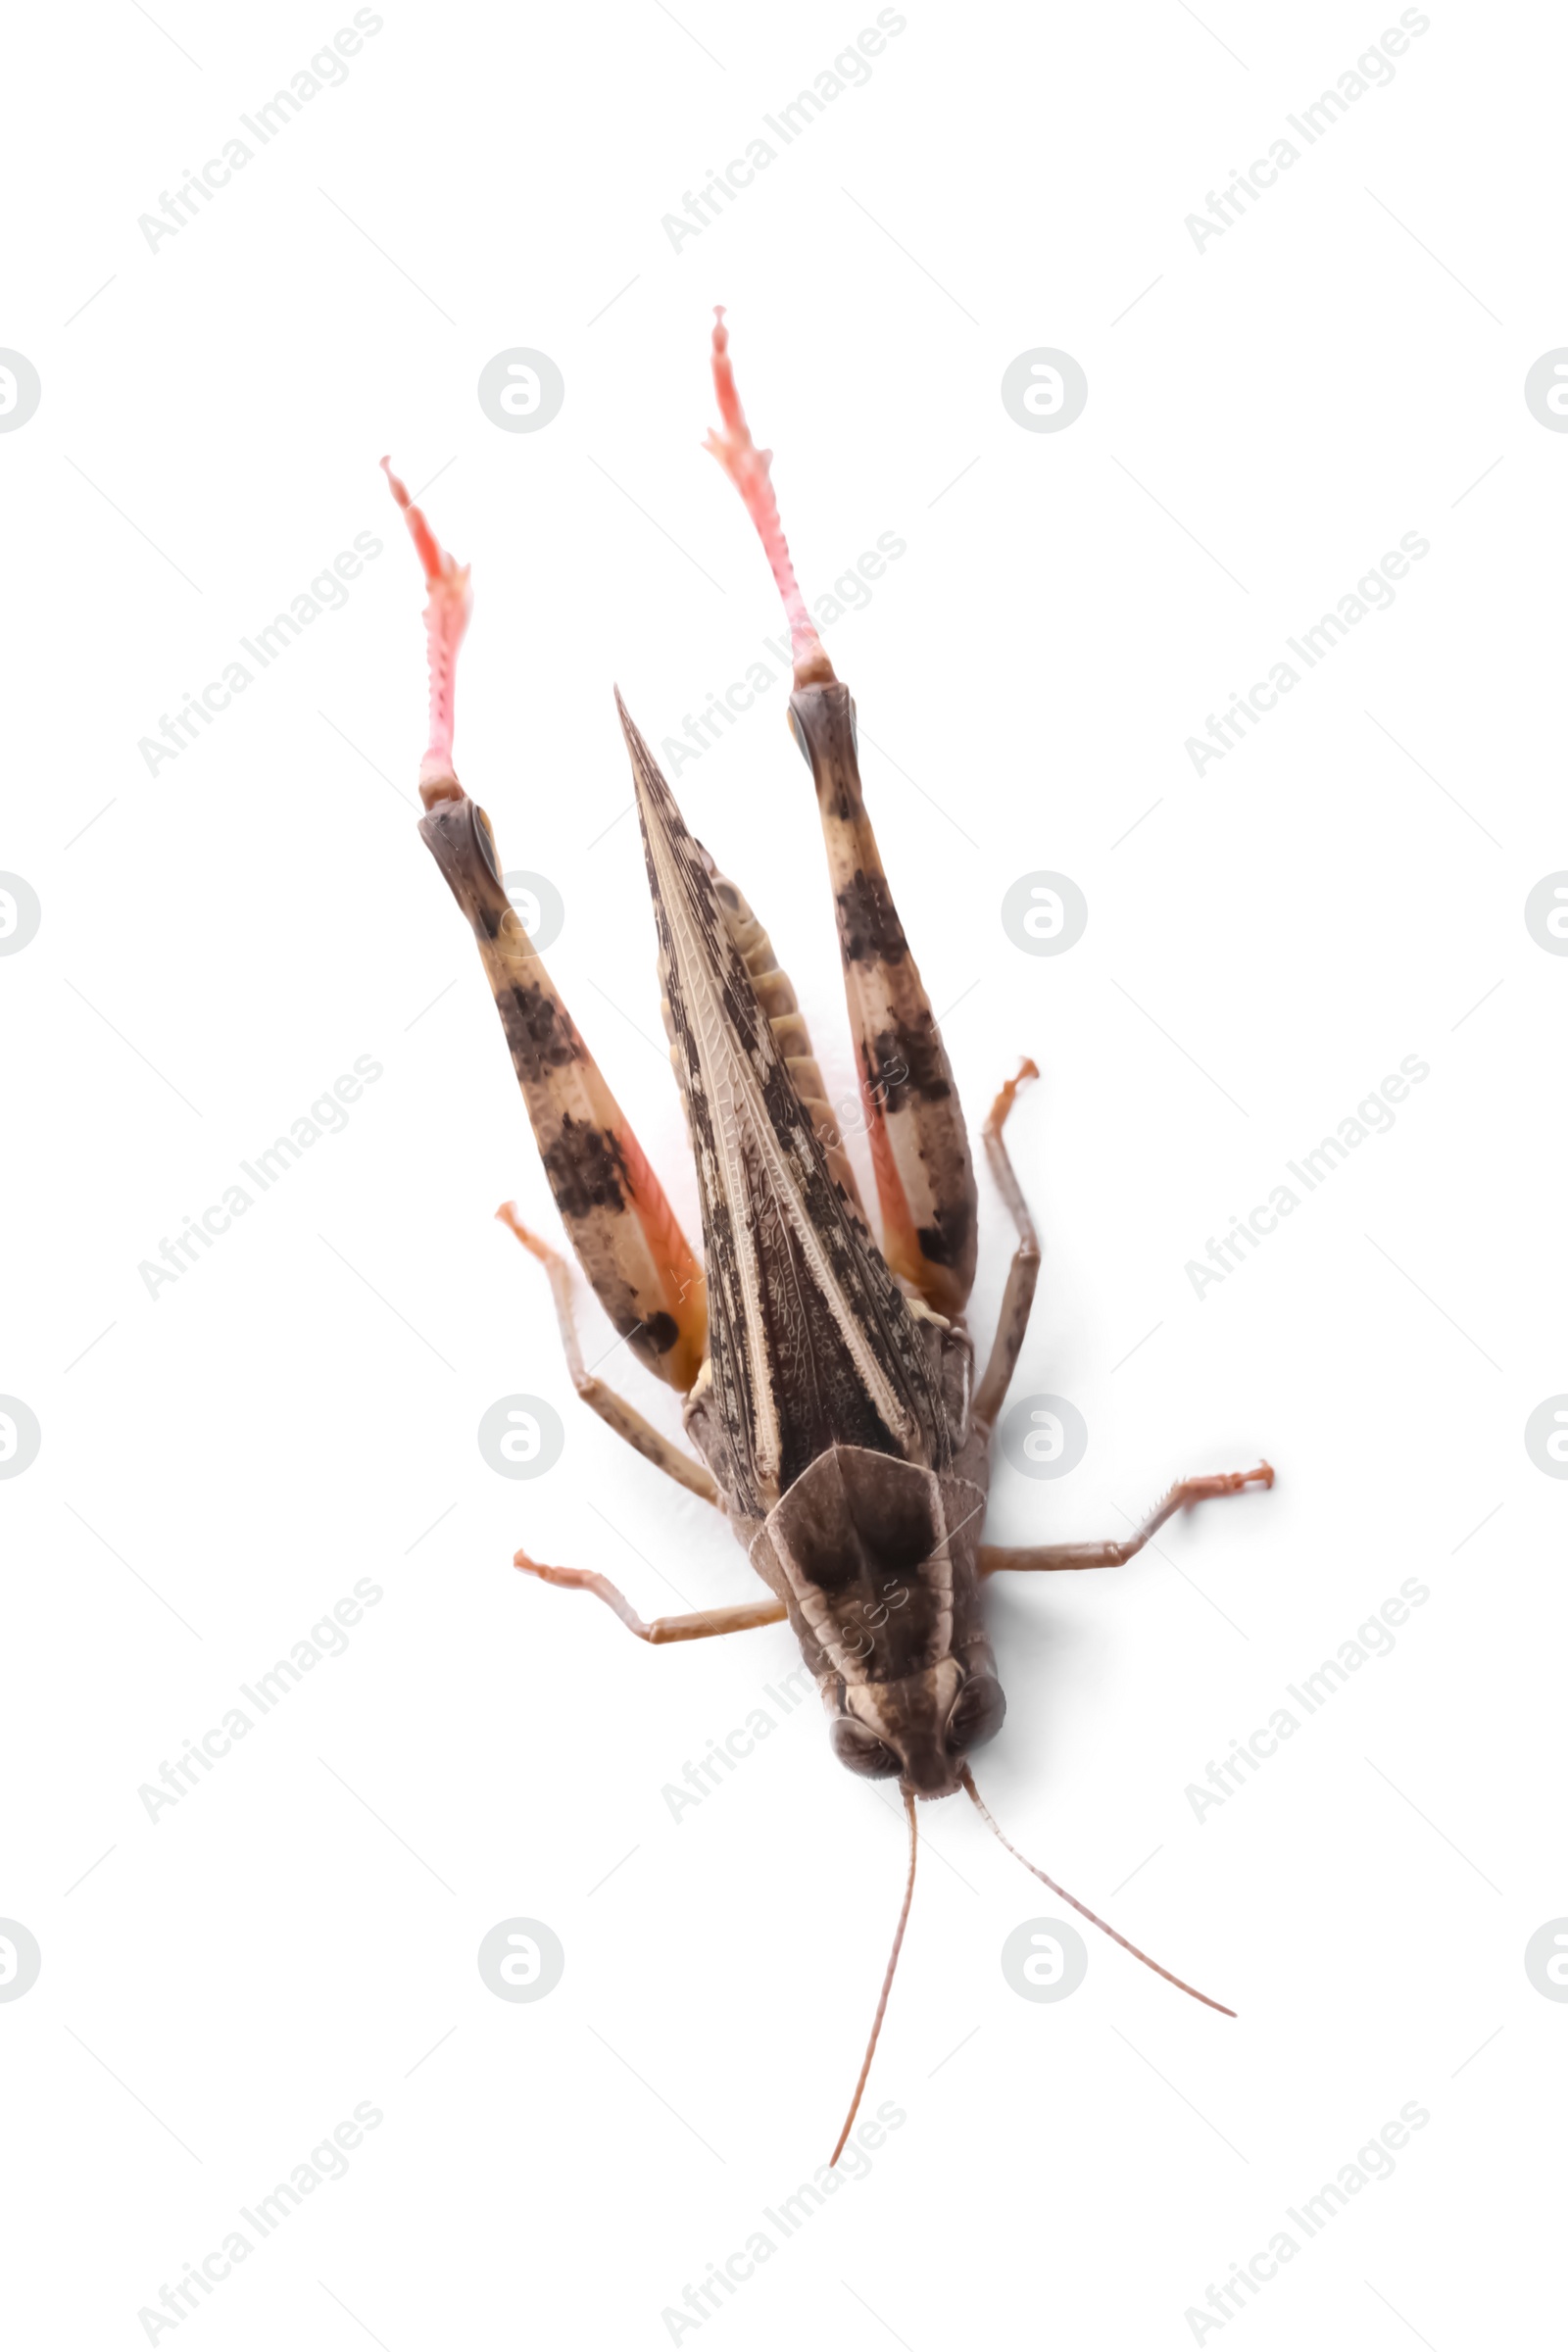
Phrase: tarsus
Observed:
(446, 618)
(749, 469)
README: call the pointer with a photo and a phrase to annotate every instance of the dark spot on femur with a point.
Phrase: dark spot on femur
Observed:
(944, 1243)
(905, 1064)
(586, 1168)
(869, 929)
(659, 1331)
(539, 1030)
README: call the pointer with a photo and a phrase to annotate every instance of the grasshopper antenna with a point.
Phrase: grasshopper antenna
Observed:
(886, 1983)
(1083, 1909)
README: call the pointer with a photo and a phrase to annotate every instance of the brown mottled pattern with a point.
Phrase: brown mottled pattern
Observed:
(812, 1342)
(920, 1149)
(586, 1167)
(906, 1064)
(621, 1225)
(776, 993)
(869, 929)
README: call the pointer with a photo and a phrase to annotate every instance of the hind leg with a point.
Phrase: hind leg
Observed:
(612, 1204)
(919, 1147)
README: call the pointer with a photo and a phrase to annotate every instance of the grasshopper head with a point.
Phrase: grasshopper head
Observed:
(874, 1556)
(921, 1728)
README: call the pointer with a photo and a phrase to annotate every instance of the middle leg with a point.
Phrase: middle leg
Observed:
(1019, 1296)
(994, 1556)
(623, 1418)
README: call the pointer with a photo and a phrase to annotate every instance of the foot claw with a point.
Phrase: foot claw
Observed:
(1003, 1102)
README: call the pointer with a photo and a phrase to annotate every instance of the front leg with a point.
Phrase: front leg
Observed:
(993, 1557)
(738, 1619)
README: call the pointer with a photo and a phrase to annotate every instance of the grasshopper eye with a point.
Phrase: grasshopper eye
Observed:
(862, 1752)
(977, 1714)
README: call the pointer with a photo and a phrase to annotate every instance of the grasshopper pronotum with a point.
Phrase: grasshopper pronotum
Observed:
(827, 1376)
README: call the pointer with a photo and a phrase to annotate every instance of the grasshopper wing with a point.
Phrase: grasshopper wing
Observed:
(813, 1342)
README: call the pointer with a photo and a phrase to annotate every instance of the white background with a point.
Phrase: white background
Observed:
(226, 1460)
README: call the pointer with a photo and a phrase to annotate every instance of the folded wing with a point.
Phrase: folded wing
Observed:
(812, 1340)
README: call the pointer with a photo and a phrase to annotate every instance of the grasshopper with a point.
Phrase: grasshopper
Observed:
(826, 1372)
